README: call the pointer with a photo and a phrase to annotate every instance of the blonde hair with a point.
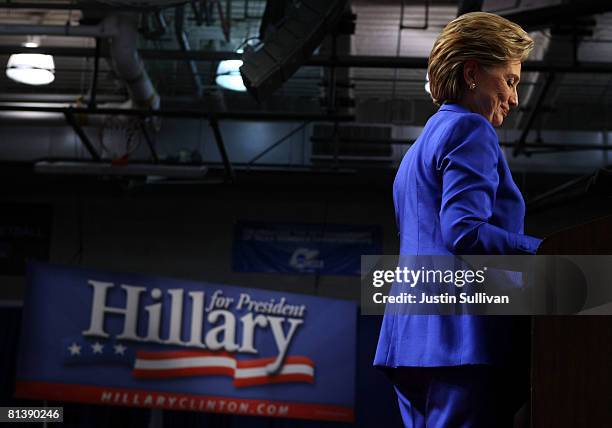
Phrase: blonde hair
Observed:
(484, 37)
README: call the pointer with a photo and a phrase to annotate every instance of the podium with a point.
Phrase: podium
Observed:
(571, 360)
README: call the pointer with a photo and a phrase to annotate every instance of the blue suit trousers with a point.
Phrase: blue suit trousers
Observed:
(469, 396)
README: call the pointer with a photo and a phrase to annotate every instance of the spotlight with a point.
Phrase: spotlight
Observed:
(302, 28)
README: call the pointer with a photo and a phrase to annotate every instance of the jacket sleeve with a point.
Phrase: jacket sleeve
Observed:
(468, 163)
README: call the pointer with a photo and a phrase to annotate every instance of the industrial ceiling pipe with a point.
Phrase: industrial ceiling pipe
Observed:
(128, 64)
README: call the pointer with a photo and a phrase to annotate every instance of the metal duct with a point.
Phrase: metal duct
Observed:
(128, 64)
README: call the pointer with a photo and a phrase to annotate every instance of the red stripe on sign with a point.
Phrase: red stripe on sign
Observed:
(262, 380)
(165, 365)
(177, 401)
(262, 362)
(182, 372)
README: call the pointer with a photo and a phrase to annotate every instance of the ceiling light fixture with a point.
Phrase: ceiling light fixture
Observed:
(228, 74)
(31, 42)
(31, 68)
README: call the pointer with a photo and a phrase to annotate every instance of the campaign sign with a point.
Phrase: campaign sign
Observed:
(325, 249)
(136, 340)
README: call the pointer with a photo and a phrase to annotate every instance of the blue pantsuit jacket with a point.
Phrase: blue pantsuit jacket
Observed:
(454, 194)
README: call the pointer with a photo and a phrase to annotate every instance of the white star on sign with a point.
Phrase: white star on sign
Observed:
(97, 348)
(120, 349)
(74, 349)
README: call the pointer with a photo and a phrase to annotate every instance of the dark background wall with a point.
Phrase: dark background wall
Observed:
(186, 231)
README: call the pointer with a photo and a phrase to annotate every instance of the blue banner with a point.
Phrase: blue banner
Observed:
(136, 340)
(322, 249)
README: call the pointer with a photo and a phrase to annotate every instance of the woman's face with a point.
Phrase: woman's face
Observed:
(495, 92)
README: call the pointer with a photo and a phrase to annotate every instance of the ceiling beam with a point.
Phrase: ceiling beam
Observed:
(567, 11)
(359, 61)
(82, 5)
(183, 114)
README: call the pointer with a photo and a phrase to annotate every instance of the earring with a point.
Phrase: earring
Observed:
(472, 86)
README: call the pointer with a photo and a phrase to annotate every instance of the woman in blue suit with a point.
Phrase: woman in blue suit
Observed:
(454, 194)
